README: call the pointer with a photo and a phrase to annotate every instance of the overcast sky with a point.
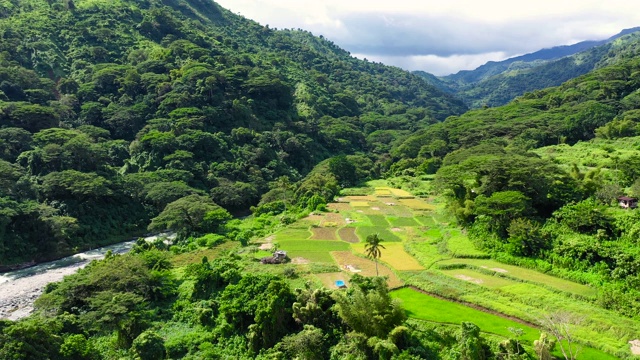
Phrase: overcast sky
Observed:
(445, 36)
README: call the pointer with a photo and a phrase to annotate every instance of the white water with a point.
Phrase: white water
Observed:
(20, 288)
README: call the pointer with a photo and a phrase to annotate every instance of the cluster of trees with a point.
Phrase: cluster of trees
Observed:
(574, 111)
(134, 306)
(537, 211)
(109, 112)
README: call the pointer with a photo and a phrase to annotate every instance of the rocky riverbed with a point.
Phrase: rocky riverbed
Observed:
(20, 288)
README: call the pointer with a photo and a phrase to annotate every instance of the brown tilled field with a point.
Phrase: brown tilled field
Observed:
(339, 206)
(333, 219)
(348, 234)
(321, 233)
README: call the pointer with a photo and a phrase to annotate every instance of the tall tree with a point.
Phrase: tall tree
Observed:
(372, 248)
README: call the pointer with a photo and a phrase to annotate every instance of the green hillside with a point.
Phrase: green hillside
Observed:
(110, 110)
(498, 83)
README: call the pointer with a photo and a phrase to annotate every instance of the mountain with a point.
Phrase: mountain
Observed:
(497, 83)
(111, 110)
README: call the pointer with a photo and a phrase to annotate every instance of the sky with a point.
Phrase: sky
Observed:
(444, 36)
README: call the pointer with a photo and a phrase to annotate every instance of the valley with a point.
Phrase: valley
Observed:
(323, 206)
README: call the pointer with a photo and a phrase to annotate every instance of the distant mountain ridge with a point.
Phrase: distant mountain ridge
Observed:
(498, 82)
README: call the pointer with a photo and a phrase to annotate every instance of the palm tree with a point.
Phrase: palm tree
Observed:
(372, 248)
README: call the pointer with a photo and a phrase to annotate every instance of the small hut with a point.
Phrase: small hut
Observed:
(627, 202)
(279, 257)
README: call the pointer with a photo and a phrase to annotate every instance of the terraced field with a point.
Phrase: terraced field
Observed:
(420, 238)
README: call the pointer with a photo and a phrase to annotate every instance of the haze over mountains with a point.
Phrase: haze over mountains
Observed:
(498, 82)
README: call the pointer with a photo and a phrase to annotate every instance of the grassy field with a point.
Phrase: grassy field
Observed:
(403, 221)
(293, 234)
(394, 255)
(378, 220)
(425, 307)
(461, 246)
(479, 278)
(526, 275)
(382, 231)
(313, 250)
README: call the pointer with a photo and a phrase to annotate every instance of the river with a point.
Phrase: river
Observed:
(20, 288)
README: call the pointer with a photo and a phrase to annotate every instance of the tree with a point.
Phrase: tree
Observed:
(372, 248)
(502, 207)
(190, 215)
(149, 346)
(370, 311)
(343, 170)
(471, 346)
(561, 325)
(543, 347)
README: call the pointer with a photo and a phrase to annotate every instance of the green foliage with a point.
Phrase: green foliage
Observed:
(119, 109)
(369, 310)
(190, 215)
(148, 346)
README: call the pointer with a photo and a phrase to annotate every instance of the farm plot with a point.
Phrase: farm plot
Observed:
(313, 250)
(383, 192)
(359, 204)
(479, 278)
(359, 198)
(378, 220)
(526, 275)
(366, 267)
(461, 246)
(339, 206)
(416, 204)
(382, 231)
(425, 307)
(348, 234)
(329, 279)
(402, 221)
(394, 255)
(332, 219)
(426, 220)
(425, 253)
(399, 193)
(324, 233)
(293, 234)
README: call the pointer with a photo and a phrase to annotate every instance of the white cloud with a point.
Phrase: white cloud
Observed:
(441, 34)
(437, 65)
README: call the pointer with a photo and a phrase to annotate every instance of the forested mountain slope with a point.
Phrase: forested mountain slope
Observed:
(497, 83)
(536, 181)
(568, 113)
(110, 110)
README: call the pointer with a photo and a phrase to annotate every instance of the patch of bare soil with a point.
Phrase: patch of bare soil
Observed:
(469, 278)
(635, 346)
(375, 208)
(266, 246)
(299, 261)
(498, 270)
(396, 229)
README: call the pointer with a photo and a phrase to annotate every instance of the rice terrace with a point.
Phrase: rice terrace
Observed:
(438, 273)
